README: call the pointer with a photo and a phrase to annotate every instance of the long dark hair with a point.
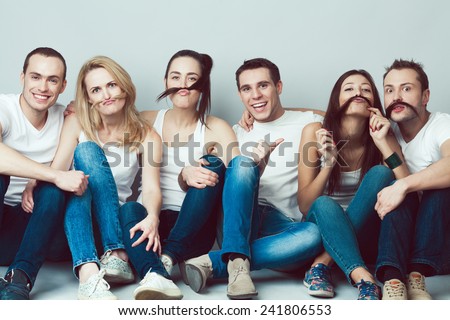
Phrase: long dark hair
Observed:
(332, 122)
(203, 84)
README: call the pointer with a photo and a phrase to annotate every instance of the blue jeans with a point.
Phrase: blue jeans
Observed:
(26, 240)
(99, 200)
(262, 233)
(344, 231)
(417, 232)
(184, 234)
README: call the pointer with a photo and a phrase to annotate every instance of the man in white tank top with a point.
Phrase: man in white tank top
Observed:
(30, 125)
(415, 230)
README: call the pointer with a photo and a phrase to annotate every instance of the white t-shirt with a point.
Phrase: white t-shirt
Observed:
(424, 149)
(174, 159)
(124, 166)
(278, 185)
(19, 134)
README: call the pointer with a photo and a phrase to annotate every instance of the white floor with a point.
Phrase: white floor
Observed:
(56, 282)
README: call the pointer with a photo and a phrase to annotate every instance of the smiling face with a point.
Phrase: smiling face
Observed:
(403, 95)
(43, 82)
(103, 92)
(260, 95)
(183, 73)
(356, 87)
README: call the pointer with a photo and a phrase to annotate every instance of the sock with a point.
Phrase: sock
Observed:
(389, 273)
(233, 256)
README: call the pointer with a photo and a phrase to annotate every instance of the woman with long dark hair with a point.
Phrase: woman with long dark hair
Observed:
(339, 178)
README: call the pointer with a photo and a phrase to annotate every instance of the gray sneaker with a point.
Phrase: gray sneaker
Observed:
(240, 284)
(198, 270)
(116, 270)
(95, 288)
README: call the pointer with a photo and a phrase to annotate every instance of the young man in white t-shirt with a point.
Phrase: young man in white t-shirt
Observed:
(275, 236)
(415, 228)
(30, 125)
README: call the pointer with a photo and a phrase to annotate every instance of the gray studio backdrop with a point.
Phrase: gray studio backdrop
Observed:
(312, 42)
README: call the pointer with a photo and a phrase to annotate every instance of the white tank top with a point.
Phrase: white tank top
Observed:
(348, 188)
(176, 158)
(124, 166)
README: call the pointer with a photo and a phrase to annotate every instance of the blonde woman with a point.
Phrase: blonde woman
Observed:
(105, 139)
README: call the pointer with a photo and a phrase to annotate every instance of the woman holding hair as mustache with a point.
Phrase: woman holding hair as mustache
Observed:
(341, 172)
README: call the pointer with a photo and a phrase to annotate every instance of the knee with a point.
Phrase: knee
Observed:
(244, 169)
(322, 205)
(215, 164)
(49, 193)
(87, 154)
(131, 212)
(380, 173)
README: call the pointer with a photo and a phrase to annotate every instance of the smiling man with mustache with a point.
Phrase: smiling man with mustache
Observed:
(416, 223)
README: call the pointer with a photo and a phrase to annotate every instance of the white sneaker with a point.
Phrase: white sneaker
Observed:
(95, 288)
(116, 270)
(416, 287)
(156, 287)
(168, 263)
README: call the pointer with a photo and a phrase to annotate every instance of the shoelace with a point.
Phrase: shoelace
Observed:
(320, 272)
(105, 257)
(239, 270)
(367, 289)
(395, 290)
(99, 281)
(417, 283)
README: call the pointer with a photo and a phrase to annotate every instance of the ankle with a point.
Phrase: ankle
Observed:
(233, 256)
(19, 277)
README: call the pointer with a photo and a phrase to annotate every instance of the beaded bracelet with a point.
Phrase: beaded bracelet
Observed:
(393, 161)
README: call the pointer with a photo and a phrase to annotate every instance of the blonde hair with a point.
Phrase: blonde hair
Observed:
(135, 127)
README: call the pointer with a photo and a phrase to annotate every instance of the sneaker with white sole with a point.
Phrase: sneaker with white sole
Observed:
(394, 289)
(116, 270)
(416, 287)
(95, 288)
(155, 287)
(318, 281)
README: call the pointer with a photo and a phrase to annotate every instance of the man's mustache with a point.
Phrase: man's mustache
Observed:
(396, 104)
(346, 104)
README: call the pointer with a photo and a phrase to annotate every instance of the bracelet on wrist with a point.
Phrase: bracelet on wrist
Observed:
(393, 161)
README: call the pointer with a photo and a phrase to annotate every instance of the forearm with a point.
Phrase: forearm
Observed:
(152, 201)
(181, 182)
(308, 194)
(436, 176)
(12, 163)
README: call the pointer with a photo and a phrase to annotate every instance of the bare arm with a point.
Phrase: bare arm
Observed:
(13, 163)
(151, 193)
(436, 176)
(312, 178)
(385, 141)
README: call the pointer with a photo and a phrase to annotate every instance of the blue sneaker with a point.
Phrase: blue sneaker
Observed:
(318, 281)
(368, 290)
